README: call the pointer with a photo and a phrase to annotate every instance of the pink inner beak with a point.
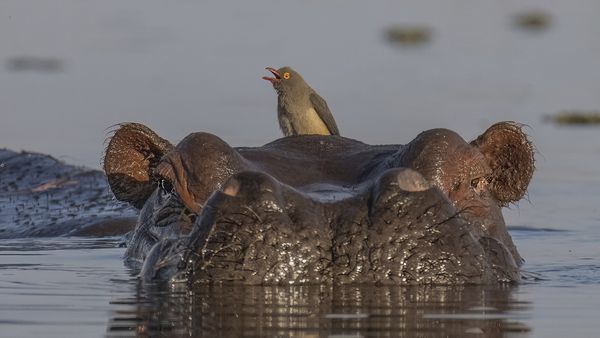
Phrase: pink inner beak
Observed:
(275, 79)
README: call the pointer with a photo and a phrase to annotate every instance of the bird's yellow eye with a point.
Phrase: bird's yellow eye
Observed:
(286, 75)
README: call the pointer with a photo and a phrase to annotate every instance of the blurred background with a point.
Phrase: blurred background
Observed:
(388, 69)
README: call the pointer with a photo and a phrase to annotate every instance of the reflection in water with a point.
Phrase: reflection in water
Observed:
(310, 311)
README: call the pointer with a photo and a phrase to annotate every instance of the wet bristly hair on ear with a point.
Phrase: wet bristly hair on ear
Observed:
(510, 155)
(131, 155)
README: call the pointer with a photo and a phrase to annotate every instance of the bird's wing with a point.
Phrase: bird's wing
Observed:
(324, 113)
(286, 126)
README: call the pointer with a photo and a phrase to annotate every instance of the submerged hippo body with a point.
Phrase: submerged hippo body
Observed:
(323, 209)
(41, 196)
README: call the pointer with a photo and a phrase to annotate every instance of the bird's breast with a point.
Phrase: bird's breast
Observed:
(311, 123)
(302, 121)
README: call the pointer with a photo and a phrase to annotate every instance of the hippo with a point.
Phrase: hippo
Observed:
(41, 196)
(315, 209)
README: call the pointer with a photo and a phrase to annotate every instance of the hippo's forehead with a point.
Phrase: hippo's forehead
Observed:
(460, 165)
(201, 162)
(444, 158)
(196, 167)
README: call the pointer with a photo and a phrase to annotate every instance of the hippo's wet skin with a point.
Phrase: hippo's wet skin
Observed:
(323, 209)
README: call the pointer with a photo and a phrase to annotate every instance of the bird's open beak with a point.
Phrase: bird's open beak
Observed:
(275, 73)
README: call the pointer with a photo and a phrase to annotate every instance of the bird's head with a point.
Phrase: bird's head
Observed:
(285, 79)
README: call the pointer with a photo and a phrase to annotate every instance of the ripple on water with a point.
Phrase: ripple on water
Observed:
(58, 286)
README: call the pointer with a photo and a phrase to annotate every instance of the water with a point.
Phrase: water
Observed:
(76, 287)
(59, 287)
(196, 66)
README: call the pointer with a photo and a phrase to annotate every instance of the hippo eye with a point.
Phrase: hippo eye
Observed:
(166, 186)
(477, 184)
(286, 75)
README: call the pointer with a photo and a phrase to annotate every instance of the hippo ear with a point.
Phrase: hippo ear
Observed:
(510, 155)
(130, 157)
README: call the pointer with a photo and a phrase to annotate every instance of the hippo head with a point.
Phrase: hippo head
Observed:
(323, 209)
(479, 177)
(169, 184)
